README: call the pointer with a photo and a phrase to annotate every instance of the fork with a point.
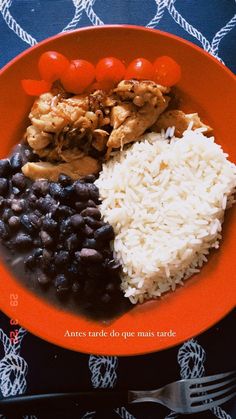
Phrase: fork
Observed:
(191, 395)
(183, 396)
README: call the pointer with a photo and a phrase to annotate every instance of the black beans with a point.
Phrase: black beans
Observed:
(55, 190)
(40, 187)
(82, 191)
(42, 278)
(35, 220)
(3, 186)
(5, 167)
(46, 239)
(105, 232)
(93, 191)
(90, 255)
(91, 212)
(61, 258)
(18, 205)
(59, 225)
(16, 162)
(19, 180)
(47, 204)
(64, 211)
(91, 203)
(2, 202)
(72, 242)
(30, 262)
(14, 222)
(7, 213)
(76, 287)
(80, 205)
(64, 180)
(90, 244)
(91, 222)
(32, 200)
(76, 221)
(45, 260)
(65, 227)
(4, 231)
(87, 231)
(15, 191)
(23, 241)
(61, 283)
(29, 156)
(49, 224)
(73, 270)
(88, 179)
(27, 224)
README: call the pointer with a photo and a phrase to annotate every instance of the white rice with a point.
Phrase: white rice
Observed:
(165, 200)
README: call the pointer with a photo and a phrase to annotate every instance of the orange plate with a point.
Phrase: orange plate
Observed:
(203, 300)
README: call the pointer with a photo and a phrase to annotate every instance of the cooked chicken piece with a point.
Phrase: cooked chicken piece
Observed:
(143, 91)
(75, 169)
(131, 120)
(197, 123)
(119, 113)
(179, 120)
(60, 123)
(37, 139)
(99, 139)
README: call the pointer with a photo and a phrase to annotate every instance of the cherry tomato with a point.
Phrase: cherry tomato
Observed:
(52, 65)
(110, 68)
(140, 69)
(35, 87)
(167, 71)
(78, 76)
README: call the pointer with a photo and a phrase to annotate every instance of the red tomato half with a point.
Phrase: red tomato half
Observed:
(35, 87)
(52, 65)
(167, 71)
(140, 69)
(78, 76)
(110, 69)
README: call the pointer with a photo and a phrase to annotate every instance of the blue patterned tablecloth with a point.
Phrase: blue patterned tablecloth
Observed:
(35, 366)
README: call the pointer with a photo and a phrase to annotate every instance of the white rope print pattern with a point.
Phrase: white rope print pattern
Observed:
(86, 6)
(191, 358)
(103, 375)
(13, 368)
(103, 371)
(13, 25)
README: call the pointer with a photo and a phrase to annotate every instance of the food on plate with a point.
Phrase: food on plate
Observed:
(181, 121)
(69, 129)
(35, 87)
(55, 230)
(77, 76)
(165, 199)
(52, 65)
(140, 69)
(167, 71)
(110, 69)
(115, 194)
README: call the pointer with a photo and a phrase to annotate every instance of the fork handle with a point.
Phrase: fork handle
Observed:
(80, 400)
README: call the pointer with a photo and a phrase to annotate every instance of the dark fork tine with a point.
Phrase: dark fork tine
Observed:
(207, 406)
(211, 387)
(210, 396)
(210, 378)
